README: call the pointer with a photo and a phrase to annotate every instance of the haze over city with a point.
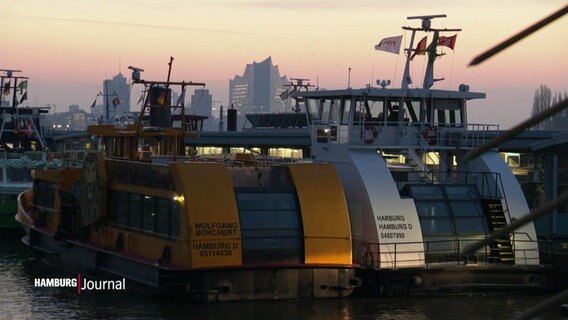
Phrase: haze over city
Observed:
(68, 48)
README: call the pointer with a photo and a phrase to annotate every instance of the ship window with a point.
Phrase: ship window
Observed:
(313, 111)
(470, 226)
(436, 226)
(375, 110)
(462, 192)
(449, 210)
(466, 208)
(162, 216)
(325, 110)
(149, 214)
(119, 207)
(346, 110)
(426, 192)
(175, 219)
(432, 209)
(135, 211)
(448, 112)
(270, 227)
(334, 112)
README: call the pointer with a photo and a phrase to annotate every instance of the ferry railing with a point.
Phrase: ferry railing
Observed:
(436, 253)
(394, 134)
(488, 187)
(479, 133)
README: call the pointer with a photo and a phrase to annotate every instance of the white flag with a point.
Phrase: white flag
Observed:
(391, 44)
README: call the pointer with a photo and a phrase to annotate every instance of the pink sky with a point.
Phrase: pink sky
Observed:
(68, 48)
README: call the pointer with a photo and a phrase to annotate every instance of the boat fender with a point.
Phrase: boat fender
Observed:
(369, 133)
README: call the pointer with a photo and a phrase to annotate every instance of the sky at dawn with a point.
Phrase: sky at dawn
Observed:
(68, 47)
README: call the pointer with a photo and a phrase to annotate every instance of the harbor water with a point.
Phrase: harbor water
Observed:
(20, 299)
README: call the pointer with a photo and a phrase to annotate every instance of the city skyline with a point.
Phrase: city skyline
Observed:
(68, 47)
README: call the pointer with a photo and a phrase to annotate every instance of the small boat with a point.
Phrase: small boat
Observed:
(146, 209)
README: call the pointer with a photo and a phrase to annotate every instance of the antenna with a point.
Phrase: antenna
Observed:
(427, 20)
(432, 55)
(135, 72)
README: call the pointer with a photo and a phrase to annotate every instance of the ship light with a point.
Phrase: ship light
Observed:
(179, 198)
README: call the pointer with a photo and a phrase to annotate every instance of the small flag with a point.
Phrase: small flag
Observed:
(24, 97)
(449, 42)
(181, 98)
(6, 90)
(116, 102)
(162, 98)
(23, 85)
(391, 44)
(93, 104)
(420, 48)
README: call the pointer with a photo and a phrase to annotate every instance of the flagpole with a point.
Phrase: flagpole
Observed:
(106, 100)
(406, 75)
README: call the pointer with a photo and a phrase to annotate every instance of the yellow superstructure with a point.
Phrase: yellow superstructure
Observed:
(327, 232)
(211, 214)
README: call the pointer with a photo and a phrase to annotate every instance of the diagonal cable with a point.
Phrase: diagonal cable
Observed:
(519, 36)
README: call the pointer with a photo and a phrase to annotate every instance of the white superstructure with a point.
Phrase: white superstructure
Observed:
(412, 201)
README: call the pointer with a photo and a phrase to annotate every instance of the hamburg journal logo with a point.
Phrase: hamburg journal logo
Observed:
(81, 284)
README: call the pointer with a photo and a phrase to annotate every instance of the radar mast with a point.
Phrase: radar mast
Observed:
(431, 50)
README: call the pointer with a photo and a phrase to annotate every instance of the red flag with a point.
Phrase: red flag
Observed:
(420, 48)
(449, 42)
(115, 102)
(29, 131)
(162, 98)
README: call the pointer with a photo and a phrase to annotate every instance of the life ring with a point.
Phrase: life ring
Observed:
(369, 133)
(430, 135)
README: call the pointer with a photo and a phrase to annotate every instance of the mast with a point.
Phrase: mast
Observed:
(431, 50)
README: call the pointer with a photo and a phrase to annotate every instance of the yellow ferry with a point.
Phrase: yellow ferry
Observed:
(143, 209)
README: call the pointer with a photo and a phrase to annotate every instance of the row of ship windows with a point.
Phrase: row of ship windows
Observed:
(154, 215)
(270, 222)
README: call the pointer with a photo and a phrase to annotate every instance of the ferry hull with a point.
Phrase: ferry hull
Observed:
(201, 285)
(458, 280)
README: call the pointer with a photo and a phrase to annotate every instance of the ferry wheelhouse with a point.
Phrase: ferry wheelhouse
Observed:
(144, 208)
(413, 203)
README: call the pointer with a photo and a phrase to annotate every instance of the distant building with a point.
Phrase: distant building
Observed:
(258, 89)
(75, 119)
(202, 105)
(116, 95)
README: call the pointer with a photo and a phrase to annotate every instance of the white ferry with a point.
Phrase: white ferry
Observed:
(413, 203)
